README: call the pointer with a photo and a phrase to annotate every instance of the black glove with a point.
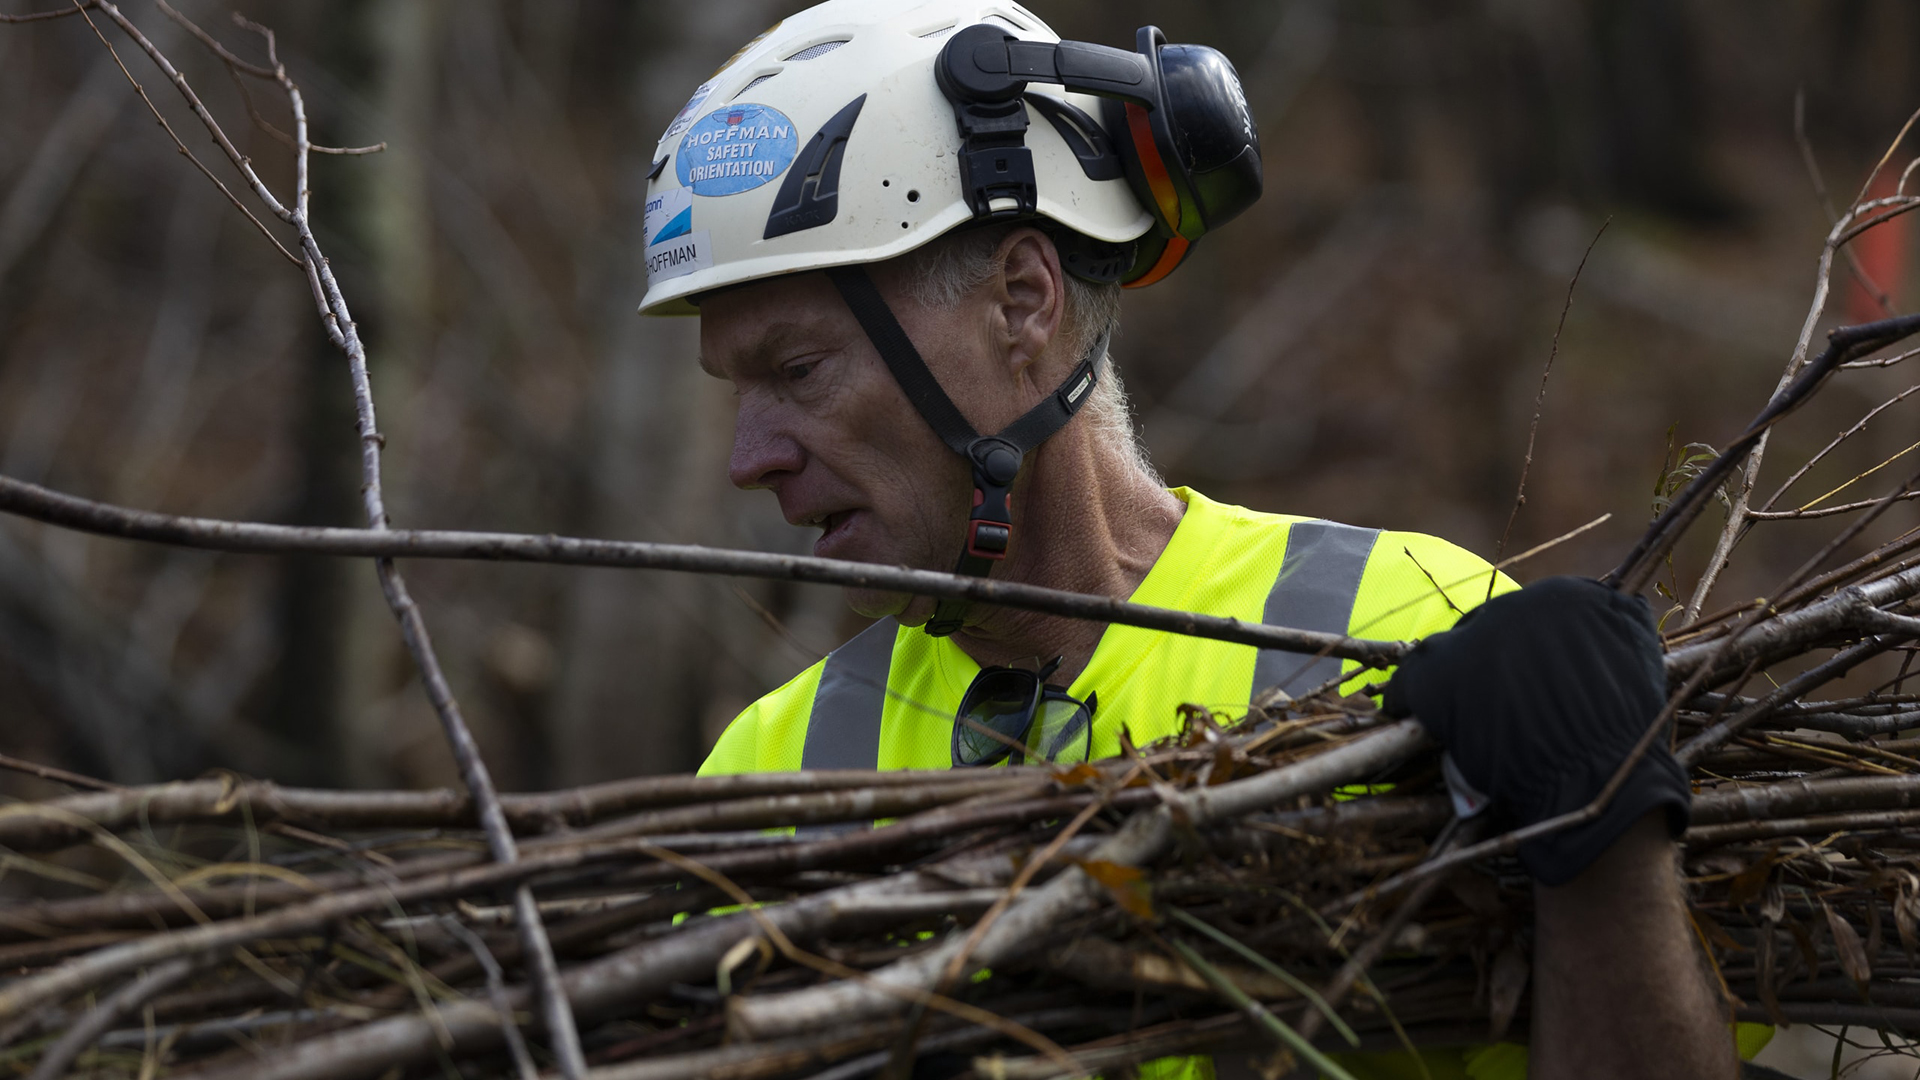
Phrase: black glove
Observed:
(1538, 696)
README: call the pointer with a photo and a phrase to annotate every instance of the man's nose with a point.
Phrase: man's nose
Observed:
(761, 452)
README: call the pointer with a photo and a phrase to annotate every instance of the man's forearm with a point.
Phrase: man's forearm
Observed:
(1620, 987)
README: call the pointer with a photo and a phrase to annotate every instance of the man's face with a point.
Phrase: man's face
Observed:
(821, 423)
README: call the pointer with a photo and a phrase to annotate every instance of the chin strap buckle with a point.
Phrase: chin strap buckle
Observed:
(990, 527)
(995, 459)
(995, 462)
(988, 539)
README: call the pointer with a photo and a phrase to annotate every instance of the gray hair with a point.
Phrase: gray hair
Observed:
(949, 269)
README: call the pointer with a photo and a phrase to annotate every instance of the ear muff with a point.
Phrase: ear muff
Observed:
(1175, 113)
(1192, 156)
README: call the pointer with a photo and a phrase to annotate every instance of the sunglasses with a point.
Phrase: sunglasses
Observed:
(1011, 712)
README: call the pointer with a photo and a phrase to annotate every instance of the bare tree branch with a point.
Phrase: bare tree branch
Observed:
(1755, 451)
(42, 16)
(342, 331)
(1843, 344)
(67, 511)
(1540, 401)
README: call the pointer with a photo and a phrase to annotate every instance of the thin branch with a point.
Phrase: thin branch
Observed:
(1826, 202)
(271, 74)
(111, 1009)
(1843, 230)
(179, 81)
(929, 999)
(35, 826)
(1838, 439)
(1826, 511)
(413, 630)
(497, 993)
(343, 151)
(1885, 361)
(59, 776)
(42, 16)
(1843, 344)
(1815, 676)
(1041, 912)
(1900, 204)
(1867, 184)
(1356, 965)
(261, 122)
(1540, 400)
(81, 10)
(901, 1064)
(1853, 611)
(1853, 606)
(1812, 503)
(67, 511)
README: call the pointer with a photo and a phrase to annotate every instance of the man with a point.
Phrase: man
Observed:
(905, 231)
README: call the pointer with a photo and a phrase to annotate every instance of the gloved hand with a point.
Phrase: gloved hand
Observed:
(1538, 696)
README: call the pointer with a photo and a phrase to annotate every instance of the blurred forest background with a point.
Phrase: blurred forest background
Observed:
(1365, 344)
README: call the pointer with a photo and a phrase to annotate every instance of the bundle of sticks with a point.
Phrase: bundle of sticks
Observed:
(1229, 892)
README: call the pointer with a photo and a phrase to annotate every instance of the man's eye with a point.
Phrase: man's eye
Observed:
(799, 370)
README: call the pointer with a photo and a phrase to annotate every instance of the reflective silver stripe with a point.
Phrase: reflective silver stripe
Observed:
(1315, 590)
(843, 731)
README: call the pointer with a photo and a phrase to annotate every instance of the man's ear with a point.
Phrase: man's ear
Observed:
(1029, 297)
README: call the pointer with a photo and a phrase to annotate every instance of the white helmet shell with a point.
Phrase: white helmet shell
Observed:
(721, 164)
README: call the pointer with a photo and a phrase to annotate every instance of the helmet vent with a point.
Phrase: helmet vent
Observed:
(814, 52)
(756, 82)
(941, 29)
(810, 195)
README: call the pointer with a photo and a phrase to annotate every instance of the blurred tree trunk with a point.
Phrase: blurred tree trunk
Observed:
(304, 707)
(646, 654)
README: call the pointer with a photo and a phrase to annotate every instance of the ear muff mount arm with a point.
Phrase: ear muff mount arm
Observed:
(985, 65)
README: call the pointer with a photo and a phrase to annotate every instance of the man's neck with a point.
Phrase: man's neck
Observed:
(1087, 520)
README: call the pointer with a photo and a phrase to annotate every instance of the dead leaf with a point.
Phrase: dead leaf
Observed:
(1477, 893)
(1197, 725)
(1809, 954)
(1510, 969)
(745, 948)
(1276, 1066)
(1906, 919)
(1080, 774)
(1749, 884)
(1763, 963)
(1773, 903)
(1715, 933)
(229, 793)
(1846, 942)
(1222, 770)
(1127, 884)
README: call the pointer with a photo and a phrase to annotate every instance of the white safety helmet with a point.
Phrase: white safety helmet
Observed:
(859, 130)
(830, 139)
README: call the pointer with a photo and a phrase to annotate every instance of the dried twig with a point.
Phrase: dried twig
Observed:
(1753, 450)
(344, 334)
(110, 1011)
(1540, 399)
(32, 501)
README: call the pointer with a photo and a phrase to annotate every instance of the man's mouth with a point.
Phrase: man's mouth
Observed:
(832, 528)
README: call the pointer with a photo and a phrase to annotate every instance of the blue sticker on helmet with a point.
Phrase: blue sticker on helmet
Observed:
(681, 225)
(736, 149)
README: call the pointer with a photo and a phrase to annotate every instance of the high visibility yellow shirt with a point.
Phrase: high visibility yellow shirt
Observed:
(1222, 560)
(887, 699)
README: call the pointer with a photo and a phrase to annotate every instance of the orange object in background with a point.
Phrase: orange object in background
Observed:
(1882, 251)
